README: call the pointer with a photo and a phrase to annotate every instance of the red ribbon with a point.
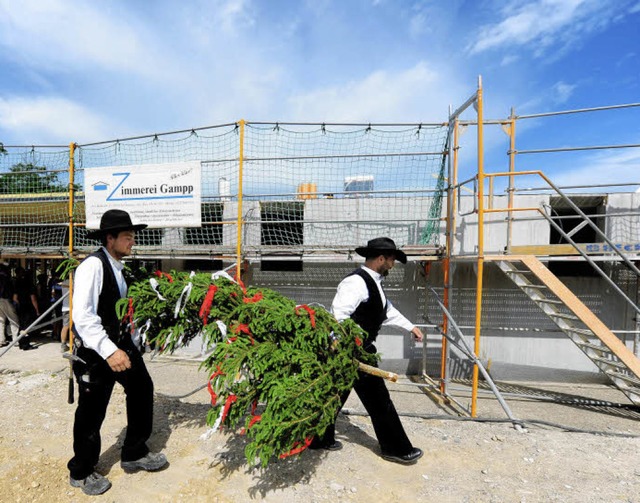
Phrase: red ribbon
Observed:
(312, 313)
(253, 421)
(205, 309)
(250, 300)
(297, 448)
(129, 315)
(159, 273)
(214, 396)
(231, 399)
(244, 328)
(239, 281)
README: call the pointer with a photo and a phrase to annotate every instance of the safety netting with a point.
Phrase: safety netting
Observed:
(34, 200)
(319, 187)
(266, 188)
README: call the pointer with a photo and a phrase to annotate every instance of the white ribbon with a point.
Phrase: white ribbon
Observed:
(184, 295)
(215, 426)
(143, 332)
(222, 327)
(154, 286)
(207, 434)
(222, 274)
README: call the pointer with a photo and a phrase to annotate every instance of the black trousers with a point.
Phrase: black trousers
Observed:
(374, 395)
(95, 383)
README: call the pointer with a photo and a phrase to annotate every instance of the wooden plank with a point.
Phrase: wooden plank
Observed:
(594, 323)
(567, 249)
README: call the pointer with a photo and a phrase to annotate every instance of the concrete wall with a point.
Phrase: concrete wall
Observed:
(525, 232)
(624, 228)
(517, 340)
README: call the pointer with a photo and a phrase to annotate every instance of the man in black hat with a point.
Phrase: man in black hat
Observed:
(106, 355)
(360, 297)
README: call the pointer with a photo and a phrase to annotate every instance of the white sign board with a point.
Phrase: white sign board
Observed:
(159, 195)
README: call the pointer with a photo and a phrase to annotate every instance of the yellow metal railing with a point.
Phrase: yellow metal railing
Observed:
(480, 278)
(239, 221)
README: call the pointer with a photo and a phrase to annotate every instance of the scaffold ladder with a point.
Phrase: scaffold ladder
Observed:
(576, 320)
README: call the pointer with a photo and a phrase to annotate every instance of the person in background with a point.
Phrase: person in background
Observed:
(106, 355)
(8, 313)
(27, 304)
(360, 296)
(43, 296)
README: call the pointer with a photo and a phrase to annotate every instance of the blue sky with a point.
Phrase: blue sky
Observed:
(88, 71)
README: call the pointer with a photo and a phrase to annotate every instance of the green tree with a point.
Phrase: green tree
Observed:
(27, 178)
(277, 370)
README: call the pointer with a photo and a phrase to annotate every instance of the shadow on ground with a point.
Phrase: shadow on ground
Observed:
(280, 474)
(168, 414)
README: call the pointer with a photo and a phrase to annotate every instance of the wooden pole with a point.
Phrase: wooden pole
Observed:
(375, 371)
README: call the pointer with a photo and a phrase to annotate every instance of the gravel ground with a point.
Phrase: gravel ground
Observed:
(464, 460)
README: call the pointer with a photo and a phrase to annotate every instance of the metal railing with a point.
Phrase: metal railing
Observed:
(567, 237)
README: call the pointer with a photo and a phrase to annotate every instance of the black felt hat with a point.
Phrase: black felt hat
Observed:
(114, 221)
(381, 246)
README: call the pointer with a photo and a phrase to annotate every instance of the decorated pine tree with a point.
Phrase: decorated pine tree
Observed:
(277, 369)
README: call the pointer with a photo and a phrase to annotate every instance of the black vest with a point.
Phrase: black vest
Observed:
(370, 314)
(109, 295)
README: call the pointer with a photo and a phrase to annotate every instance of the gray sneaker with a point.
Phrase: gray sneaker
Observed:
(152, 462)
(93, 485)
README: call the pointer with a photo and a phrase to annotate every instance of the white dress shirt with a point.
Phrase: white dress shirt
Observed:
(87, 286)
(352, 291)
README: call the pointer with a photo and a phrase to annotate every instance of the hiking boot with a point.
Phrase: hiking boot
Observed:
(93, 485)
(152, 462)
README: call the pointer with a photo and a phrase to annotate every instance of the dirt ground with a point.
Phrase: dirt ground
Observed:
(464, 460)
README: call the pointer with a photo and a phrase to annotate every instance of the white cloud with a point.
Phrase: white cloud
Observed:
(417, 24)
(207, 62)
(235, 13)
(622, 166)
(415, 94)
(562, 91)
(196, 61)
(548, 98)
(507, 60)
(205, 21)
(542, 24)
(52, 120)
(53, 35)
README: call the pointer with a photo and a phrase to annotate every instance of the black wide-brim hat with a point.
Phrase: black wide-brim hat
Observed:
(114, 221)
(381, 246)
